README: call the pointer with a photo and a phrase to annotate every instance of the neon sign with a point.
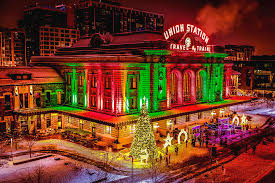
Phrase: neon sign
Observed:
(187, 37)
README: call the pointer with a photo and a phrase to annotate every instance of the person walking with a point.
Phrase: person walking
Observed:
(176, 150)
(254, 149)
(169, 158)
(186, 142)
(166, 158)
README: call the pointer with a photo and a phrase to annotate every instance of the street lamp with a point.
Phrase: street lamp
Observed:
(132, 166)
(11, 151)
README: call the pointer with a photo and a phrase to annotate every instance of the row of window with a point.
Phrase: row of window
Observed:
(58, 30)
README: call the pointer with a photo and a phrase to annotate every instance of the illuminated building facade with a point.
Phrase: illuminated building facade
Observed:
(26, 90)
(105, 88)
(106, 16)
(257, 74)
(52, 38)
(13, 48)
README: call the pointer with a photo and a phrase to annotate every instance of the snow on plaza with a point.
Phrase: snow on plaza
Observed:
(112, 91)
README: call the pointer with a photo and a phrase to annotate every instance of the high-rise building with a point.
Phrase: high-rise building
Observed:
(105, 16)
(13, 48)
(36, 17)
(52, 38)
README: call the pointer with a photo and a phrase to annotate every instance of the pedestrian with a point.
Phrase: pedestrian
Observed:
(225, 142)
(176, 150)
(186, 142)
(160, 157)
(169, 158)
(254, 149)
(223, 170)
(166, 158)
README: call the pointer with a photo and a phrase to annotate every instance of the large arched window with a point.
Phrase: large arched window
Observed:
(186, 87)
(176, 88)
(201, 86)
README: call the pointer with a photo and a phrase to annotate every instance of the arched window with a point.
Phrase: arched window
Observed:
(186, 87)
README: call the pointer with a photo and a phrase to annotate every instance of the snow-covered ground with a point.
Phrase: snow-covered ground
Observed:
(51, 170)
(259, 110)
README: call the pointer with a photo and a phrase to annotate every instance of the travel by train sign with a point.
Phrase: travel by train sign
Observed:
(187, 37)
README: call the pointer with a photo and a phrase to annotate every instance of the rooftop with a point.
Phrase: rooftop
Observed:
(39, 75)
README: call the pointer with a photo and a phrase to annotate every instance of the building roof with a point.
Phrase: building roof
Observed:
(235, 72)
(120, 39)
(39, 75)
(136, 37)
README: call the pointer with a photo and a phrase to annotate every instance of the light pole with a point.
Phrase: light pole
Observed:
(132, 167)
(11, 151)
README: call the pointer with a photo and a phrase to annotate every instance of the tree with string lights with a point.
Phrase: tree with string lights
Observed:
(144, 139)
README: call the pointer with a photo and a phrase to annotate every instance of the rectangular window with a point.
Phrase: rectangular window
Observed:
(81, 125)
(37, 100)
(7, 102)
(108, 82)
(80, 80)
(93, 101)
(187, 117)
(199, 115)
(93, 81)
(38, 122)
(59, 122)
(107, 103)
(21, 100)
(58, 97)
(48, 122)
(107, 130)
(48, 98)
(68, 79)
(133, 82)
(26, 100)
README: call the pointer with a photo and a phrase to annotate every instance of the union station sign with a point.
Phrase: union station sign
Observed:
(187, 37)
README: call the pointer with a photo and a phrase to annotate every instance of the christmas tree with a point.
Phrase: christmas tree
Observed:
(144, 139)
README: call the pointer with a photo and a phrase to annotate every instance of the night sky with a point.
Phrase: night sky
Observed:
(248, 22)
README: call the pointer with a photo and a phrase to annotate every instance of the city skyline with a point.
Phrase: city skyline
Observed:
(250, 21)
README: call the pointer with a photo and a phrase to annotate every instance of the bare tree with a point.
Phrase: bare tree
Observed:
(3, 147)
(38, 176)
(30, 143)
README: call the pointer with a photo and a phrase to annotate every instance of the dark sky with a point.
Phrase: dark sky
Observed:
(250, 22)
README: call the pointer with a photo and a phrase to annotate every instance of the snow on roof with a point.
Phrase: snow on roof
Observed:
(39, 75)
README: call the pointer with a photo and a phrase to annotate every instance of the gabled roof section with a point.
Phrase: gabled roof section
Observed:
(38, 75)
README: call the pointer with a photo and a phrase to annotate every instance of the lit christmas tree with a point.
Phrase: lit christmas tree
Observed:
(144, 139)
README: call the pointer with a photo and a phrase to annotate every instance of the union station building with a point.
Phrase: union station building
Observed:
(100, 83)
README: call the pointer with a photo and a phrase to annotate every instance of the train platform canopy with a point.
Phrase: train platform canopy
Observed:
(114, 121)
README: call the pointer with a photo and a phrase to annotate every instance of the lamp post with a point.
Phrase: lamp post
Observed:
(11, 151)
(132, 167)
